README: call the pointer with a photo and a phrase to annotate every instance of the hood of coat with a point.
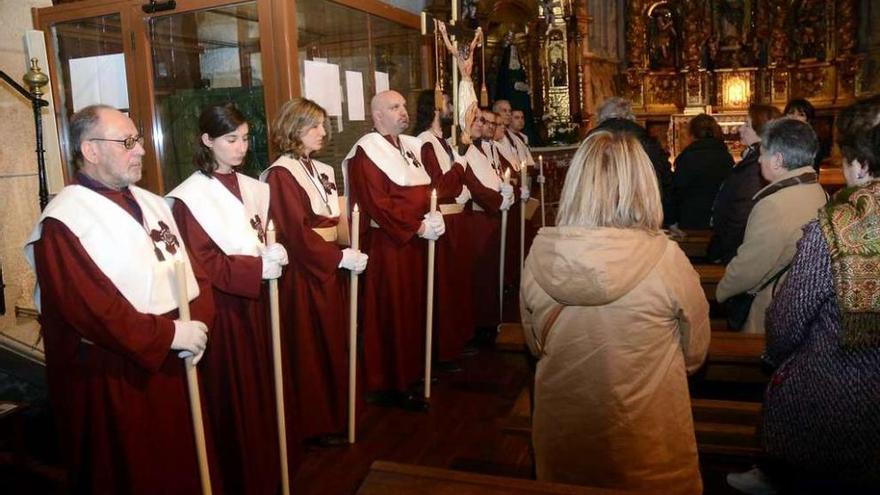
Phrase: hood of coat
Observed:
(580, 266)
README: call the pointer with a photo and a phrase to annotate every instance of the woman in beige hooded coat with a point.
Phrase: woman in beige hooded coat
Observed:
(615, 314)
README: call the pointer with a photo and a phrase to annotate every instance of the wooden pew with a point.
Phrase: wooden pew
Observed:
(831, 177)
(695, 243)
(710, 275)
(727, 427)
(391, 478)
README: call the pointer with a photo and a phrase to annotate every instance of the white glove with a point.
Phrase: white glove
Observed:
(524, 193)
(433, 226)
(191, 338)
(428, 231)
(437, 222)
(506, 202)
(355, 261)
(275, 252)
(274, 257)
(506, 196)
(271, 269)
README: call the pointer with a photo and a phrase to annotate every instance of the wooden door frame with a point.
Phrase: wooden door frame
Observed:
(278, 53)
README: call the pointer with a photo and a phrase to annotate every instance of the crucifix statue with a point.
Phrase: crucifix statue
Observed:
(464, 96)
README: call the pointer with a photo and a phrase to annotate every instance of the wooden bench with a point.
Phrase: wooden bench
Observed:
(727, 427)
(724, 344)
(391, 478)
(695, 243)
(710, 276)
(724, 427)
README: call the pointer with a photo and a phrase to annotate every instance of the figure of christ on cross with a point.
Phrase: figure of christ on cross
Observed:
(466, 103)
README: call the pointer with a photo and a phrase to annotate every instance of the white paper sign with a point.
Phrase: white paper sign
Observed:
(354, 95)
(321, 85)
(382, 82)
(99, 79)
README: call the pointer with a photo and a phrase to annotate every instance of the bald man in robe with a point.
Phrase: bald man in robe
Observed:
(104, 252)
(388, 182)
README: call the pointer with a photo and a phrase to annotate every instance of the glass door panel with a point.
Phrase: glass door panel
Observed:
(203, 57)
(338, 35)
(397, 52)
(91, 64)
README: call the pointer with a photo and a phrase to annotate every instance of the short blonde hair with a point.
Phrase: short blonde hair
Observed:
(611, 183)
(296, 116)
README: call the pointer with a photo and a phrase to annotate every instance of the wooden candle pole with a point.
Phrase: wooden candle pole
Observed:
(275, 316)
(429, 314)
(523, 175)
(455, 101)
(501, 256)
(352, 326)
(192, 383)
(541, 185)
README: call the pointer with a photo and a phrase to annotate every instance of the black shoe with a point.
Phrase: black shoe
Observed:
(447, 367)
(413, 402)
(470, 350)
(383, 398)
(327, 441)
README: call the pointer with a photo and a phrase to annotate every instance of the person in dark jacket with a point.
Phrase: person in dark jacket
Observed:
(615, 114)
(699, 171)
(734, 201)
(801, 109)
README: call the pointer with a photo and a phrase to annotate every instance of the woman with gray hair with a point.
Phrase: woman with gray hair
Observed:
(820, 428)
(781, 209)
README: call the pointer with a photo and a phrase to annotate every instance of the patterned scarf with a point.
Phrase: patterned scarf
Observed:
(851, 226)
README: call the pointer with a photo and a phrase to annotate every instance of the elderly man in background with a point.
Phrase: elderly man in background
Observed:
(104, 252)
(616, 115)
(781, 209)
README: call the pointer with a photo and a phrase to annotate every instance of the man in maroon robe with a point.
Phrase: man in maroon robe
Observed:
(453, 305)
(390, 185)
(489, 196)
(117, 391)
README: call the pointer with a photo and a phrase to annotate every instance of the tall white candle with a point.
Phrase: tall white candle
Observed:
(355, 227)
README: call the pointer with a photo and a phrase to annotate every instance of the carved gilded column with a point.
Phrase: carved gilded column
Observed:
(778, 56)
(848, 61)
(636, 55)
(695, 33)
(579, 27)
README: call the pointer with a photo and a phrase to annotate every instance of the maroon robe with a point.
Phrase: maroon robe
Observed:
(453, 304)
(120, 402)
(236, 372)
(394, 292)
(485, 243)
(314, 311)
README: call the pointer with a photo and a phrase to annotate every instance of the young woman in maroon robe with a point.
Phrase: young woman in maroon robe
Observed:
(314, 288)
(222, 216)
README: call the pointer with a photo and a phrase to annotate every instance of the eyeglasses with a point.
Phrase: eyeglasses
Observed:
(128, 142)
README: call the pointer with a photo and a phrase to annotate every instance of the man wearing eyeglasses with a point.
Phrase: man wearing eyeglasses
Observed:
(104, 252)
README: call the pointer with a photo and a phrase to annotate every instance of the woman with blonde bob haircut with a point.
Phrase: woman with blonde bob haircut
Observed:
(616, 317)
(313, 289)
